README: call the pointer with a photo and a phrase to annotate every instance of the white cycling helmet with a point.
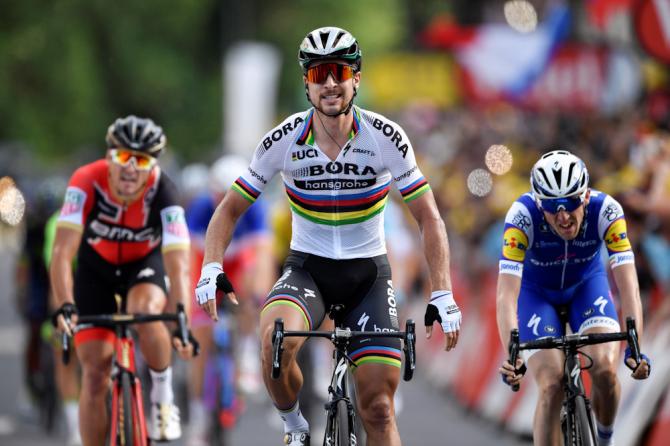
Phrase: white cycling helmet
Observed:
(329, 43)
(225, 171)
(559, 174)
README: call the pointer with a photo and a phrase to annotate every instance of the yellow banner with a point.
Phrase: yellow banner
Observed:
(396, 80)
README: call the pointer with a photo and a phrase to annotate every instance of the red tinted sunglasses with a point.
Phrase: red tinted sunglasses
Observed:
(319, 73)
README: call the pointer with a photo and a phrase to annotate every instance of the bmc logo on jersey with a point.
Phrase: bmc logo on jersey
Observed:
(515, 244)
(616, 238)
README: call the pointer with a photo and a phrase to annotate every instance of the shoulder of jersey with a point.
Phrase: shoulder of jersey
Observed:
(288, 131)
(94, 170)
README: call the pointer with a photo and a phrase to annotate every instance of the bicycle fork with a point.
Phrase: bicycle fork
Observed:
(338, 394)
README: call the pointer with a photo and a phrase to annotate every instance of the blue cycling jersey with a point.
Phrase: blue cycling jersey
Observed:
(533, 251)
(253, 222)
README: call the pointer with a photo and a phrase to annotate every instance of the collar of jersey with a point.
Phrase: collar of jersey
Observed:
(307, 135)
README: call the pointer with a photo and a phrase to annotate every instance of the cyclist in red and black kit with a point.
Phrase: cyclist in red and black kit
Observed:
(121, 220)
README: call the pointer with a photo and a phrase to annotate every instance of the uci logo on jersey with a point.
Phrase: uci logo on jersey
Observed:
(515, 244)
(302, 154)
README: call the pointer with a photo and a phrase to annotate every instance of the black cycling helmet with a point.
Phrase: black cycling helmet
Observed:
(139, 134)
(329, 43)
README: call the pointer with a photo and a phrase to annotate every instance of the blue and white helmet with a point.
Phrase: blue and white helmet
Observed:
(559, 174)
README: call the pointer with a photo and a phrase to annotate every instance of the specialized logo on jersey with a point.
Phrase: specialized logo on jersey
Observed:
(74, 201)
(616, 237)
(515, 244)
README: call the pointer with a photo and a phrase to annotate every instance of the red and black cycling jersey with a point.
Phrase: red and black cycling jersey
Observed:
(120, 233)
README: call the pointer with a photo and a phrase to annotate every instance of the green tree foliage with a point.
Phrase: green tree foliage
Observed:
(70, 67)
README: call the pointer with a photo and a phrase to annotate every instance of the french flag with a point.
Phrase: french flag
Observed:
(498, 58)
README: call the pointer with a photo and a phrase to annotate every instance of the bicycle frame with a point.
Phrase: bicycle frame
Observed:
(572, 375)
(338, 390)
(124, 363)
(126, 387)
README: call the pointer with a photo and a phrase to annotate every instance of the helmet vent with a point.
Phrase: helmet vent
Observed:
(311, 40)
(544, 175)
(557, 176)
(337, 38)
(570, 169)
(324, 39)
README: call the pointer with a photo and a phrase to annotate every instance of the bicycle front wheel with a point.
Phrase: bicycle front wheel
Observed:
(125, 415)
(580, 431)
(342, 426)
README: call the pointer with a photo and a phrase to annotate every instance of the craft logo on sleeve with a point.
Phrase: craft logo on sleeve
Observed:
(617, 237)
(515, 244)
(74, 201)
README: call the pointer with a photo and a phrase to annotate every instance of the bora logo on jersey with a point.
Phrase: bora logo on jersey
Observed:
(616, 238)
(515, 244)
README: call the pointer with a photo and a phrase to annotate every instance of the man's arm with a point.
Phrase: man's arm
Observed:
(506, 305)
(177, 268)
(219, 233)
(436, 250)
(66, 245)
(435, 240)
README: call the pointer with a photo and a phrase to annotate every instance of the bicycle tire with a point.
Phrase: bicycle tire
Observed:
(583, 422)
(126, 418)
(342, 428)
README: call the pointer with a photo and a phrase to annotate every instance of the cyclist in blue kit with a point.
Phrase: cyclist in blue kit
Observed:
(551, 257)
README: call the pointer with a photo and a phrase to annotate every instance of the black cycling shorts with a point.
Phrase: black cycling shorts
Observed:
(96, 283)
(312, 284)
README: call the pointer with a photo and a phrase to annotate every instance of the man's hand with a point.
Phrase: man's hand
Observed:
(443, 309)
(510, 375)
(212, 278)
(65, 318)
(641, 370)
(191, 349)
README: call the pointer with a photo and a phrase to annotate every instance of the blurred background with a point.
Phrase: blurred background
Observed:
(481, 87)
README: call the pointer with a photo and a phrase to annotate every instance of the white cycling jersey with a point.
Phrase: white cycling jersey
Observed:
(337, 205)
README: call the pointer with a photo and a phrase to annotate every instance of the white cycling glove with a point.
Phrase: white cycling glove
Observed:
(442, 308)
(206, 288)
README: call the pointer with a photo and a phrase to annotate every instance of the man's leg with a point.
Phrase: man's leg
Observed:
(284, 390)
(156, 348)
(95, 358)
(547, 369)
(375, 386)
(606, 389)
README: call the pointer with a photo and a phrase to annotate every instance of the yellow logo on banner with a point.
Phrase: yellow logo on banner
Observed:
(515, 244)
(616, 238)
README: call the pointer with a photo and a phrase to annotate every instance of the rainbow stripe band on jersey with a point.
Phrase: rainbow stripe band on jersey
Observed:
(415, 190)
(307, 135)
(339, 210)
(245, 189)
(376, 354)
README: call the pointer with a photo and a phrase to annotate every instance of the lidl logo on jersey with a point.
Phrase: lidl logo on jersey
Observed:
(515, 244)
(616, 238)
(302, 154)
(74, 201)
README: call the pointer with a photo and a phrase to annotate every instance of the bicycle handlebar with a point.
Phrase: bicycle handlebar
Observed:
(341, 334)
(575, 341)
(123, 319)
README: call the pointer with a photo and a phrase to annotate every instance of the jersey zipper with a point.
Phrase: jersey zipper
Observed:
(565, 264)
